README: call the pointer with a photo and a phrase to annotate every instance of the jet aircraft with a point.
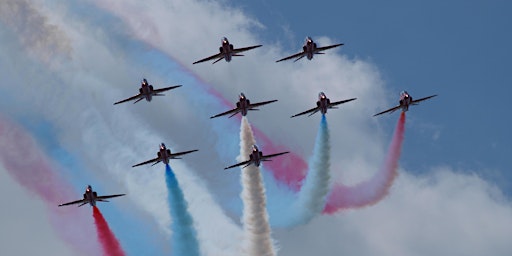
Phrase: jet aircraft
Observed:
(308, 50)
(164, 155)
(256, 157)
(91, 197)
(147, 92)
(405, 101)
(226, 51)
(243, 106)
(322, 105)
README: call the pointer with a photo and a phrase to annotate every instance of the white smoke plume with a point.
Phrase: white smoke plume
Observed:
(255, 217)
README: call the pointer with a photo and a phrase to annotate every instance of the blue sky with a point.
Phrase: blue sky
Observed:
(457, 49)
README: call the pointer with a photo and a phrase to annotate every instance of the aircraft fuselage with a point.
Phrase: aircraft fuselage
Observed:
(255, 156)
(309, 48)
(323, 103)
(243, 104)
(90, 196)
(405, 101)
(147, 91)
(226, 49)
(164, 154)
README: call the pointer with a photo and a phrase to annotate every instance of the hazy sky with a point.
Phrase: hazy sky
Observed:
(63, 65)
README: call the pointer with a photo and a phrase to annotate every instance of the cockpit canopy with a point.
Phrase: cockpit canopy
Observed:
(242, 95)
(162, 146)
(404, 94)
(321, 95)
(254, 148)
(224, 40)
(144, 81)
(309, 40)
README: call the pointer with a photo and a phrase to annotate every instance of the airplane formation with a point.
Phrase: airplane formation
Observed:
(243, 106)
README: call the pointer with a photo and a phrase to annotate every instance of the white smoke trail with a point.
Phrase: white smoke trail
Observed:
(312, 196)
(255, 217)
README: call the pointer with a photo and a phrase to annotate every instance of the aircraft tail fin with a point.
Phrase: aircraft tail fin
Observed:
(233, 115)
(138, 100)
(299, 58)
(221, 58)
(312, 113)
(155, 163)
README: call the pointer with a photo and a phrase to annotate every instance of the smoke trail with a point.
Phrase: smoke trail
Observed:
(107, 239)
(184, 235)
(35, 33)
(25, 162)
(292, 171)
(255, 217)
(98, 136)
(373, 190)
(312, 196)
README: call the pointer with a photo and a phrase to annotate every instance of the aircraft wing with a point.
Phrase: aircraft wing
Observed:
(81, 201)
(341, 102)
(393, 109)
(273, 155)
(183, 153)
(422, 99)
(239, 164)
(166, 89)
(319, 49)
(216, 56)
(310, 111)
(253, 105)
(297, 55)
(109, 196)
(148, 162)
(245, 48)
(232, 111)
(138, 96)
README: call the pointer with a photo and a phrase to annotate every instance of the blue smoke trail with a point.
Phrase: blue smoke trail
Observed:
(138, 238)
(311, 199)
(184, 235)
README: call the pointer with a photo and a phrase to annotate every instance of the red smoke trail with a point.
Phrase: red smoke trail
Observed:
(108, 241)
(28, 165)
(371, 191)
